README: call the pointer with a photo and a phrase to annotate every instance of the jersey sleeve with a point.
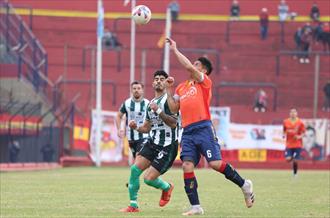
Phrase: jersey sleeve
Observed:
(206, 82)
(176, 95)
(284, 127)
(147, 117)
(168, 111)
(122, 108)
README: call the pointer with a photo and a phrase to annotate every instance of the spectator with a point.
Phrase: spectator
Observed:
(264, 21)
(315, 12)
(312, 150)
(260, 104)
(297, 40)
(308, 26)
(14, 149)
(325, 36)
(306, 39)
(47, 152)
(234, 10)
(110, 40)
(283, 11)
(326, 90)
(318, 32)
(175, 9)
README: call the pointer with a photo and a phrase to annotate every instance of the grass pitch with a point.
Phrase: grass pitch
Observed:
(101, 192)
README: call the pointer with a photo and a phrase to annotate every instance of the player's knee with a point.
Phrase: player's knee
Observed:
(135, 171)
(215, 164)
(188, 166)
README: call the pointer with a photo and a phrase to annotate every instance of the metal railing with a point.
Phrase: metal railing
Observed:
(119, 51)
(92, 48)
(32, 58)
(88, 82)
(284, 28)
(296, 54)
(247, 85)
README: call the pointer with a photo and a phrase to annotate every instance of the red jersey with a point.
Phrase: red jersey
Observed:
(195, 98)
(291, 130)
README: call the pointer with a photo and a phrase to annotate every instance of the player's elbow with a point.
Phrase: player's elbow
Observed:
(174, 109)
(173, 125)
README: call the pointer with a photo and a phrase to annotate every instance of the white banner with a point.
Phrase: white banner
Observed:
(220, 117)
(315, 141)
(248, 136)
(111, 146)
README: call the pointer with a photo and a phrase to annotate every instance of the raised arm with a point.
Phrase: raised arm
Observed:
(172, 101)
(184, 61)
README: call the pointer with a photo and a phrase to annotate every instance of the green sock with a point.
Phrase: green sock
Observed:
(158, 183)
(134, 185)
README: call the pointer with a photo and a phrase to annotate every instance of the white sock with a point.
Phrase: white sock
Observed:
(197, 206)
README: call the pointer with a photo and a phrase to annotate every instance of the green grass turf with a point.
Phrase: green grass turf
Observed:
(101, 192)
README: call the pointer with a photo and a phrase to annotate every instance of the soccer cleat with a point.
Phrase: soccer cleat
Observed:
(247, 189)
(166, 196)
(194, 211)
(129, 209)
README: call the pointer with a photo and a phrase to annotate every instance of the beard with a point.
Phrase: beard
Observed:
(137, 95)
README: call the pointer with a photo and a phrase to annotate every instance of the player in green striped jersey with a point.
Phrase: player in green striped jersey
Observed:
(160, 150)
(134, 109)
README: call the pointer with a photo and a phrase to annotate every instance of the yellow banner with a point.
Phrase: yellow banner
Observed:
(81, 133)
(252, 155)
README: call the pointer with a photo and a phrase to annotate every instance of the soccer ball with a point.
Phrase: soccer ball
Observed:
(141, 14)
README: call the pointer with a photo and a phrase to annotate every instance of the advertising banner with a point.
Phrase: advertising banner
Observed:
(248, 136)
(111, 146)
(315, 141)
(220, 117)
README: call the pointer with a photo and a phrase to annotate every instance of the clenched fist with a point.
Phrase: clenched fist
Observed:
(132, 124)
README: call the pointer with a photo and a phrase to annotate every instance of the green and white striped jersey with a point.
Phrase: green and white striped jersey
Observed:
(134, 111)
(161, 134)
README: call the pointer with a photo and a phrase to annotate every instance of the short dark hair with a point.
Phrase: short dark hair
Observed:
(137, 83)
(311, 128)
(207, 64)
(161, 73)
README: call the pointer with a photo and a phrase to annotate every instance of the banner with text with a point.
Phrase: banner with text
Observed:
(249, 136)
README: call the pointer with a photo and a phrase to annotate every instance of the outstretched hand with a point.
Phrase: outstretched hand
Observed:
(172, 43)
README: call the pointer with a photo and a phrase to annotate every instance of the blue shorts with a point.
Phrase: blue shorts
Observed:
(294, 153)
(199, 138)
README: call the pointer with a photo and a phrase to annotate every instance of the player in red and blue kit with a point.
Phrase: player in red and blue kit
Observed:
(192, 98)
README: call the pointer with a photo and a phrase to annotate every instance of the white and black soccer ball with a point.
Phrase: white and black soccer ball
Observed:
(141, 14)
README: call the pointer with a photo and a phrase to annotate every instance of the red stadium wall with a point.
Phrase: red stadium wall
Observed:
(245, 58)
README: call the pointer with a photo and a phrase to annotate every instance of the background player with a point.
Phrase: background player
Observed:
(193, 98)
(293, 131)
(134, 109)
(159, 151)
